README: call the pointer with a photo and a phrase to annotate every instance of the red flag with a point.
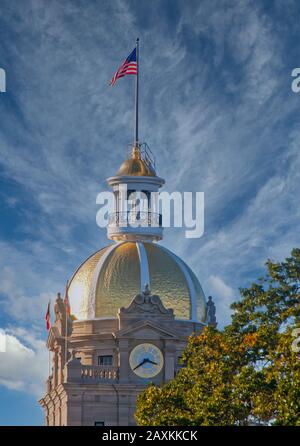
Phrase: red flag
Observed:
(47, 317)
(66, 301)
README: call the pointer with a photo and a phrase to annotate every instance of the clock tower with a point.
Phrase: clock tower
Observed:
(133, 305)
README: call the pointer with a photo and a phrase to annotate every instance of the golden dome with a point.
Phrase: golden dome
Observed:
(110, 278)
(136, 166)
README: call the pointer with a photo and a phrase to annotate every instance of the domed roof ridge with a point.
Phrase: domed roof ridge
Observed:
(87, 259)
(112, 276)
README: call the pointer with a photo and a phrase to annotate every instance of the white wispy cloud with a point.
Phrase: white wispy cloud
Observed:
(24, 364)
(217, 113)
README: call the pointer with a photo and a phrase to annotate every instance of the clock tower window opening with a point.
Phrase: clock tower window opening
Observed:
(105, 360)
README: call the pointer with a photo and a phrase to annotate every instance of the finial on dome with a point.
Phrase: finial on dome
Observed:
(136, 152)
(146, 291)
(139, 163)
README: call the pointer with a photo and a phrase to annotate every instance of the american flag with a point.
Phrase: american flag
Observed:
(129, 66)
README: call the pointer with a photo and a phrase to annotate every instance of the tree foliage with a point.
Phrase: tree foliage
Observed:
(247, 373)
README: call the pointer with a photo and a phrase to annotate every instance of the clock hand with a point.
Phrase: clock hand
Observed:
(151, 362)
(145, 360)
(140, 364)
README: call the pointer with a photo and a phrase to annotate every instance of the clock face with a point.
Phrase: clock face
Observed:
(146, 360)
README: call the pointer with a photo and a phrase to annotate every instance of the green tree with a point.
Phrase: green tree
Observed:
(246, 373)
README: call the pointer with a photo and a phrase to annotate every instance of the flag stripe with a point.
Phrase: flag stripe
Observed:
(129, 66)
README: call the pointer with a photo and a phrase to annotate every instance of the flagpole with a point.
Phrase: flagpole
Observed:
(49, 364)
(136, 130)
(66, 324)
(66, 335)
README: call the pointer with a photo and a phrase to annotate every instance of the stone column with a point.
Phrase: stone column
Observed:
(72, 371)
(60, 366)
(51, 412)
(74, 410)
(123, 360)
(55, 367)
(169, 360)
(56, 403)
(46, 408)
(123, 409)
(63, 402)
(89, 358)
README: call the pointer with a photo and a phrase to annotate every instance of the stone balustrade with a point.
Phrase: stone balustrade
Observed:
(98, 373)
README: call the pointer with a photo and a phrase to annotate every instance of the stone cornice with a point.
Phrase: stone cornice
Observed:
(127, 332)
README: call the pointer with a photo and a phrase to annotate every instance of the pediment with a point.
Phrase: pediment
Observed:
(146, 330)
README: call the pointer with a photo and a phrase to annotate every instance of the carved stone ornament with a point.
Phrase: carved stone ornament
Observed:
(146, 303)
(59, 308)
(211, 313)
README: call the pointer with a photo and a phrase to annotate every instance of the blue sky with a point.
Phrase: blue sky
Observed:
(216, 108)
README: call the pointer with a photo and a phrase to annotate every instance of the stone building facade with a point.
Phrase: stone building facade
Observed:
(82, 392)
(119, 336)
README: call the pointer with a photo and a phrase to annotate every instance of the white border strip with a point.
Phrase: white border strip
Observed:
(92, 294)
(144, 266)
(192, 291)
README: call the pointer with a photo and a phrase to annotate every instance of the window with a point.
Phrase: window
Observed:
(99, 423)
(105, 360)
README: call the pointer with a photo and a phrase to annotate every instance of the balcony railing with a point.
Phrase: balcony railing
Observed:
(146, 154)
(135, 219)
(95, 373)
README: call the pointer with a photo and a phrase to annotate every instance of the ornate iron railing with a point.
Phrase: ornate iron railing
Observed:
(135, 218)
(146, 154)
